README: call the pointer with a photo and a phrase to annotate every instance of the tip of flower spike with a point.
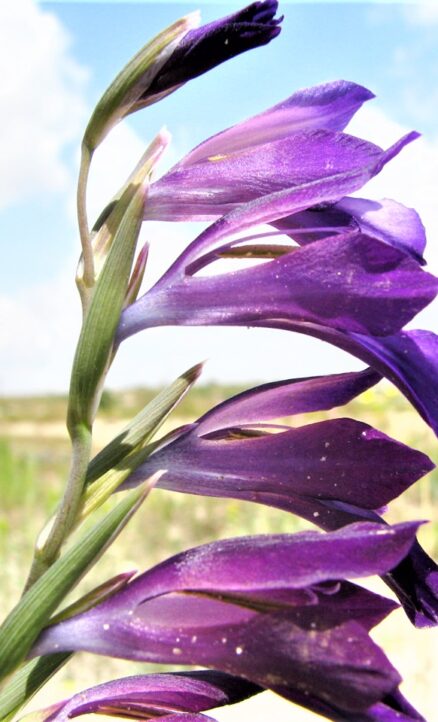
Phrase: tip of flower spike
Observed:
(203, 48)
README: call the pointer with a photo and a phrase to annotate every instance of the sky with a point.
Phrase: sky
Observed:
(60, 57)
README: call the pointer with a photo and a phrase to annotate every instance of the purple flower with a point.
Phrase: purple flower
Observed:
(274, 610)
(332, 472)
(171, 697)
(288, 146)
(201, 49)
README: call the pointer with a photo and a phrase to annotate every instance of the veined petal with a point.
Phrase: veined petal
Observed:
(235, 605)
(284, 398)
(298, 470)
(329, 105)
(221, 182)
(271, 207)
(385, 219)
(352, 283)
(167, 696)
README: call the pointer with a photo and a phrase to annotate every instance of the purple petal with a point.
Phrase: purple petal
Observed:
(328, 106)
(415, 581)
(203, 48)
(217, 185)
(389, 221)
(298, 470)
(266, 648)
(188, 717)
(386, 220)
(353, 283)
(167, 696)
(410, 360)
(393, 708)
(283, 398)
(249, 565)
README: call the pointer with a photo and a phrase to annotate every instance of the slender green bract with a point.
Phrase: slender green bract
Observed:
(141, 428)
(24, 623)
(96, 339)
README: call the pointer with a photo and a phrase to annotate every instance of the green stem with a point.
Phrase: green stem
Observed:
(87, 250)
(52, 538)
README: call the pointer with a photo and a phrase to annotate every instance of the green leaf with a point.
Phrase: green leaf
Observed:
(32, 613)
(97, 335)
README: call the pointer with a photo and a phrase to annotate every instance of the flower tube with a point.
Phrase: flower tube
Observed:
(349, 282)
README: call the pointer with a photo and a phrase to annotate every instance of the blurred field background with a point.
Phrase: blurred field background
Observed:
(34, 455)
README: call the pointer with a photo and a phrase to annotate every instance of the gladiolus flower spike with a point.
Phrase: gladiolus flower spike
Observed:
(273, 609)
(269, 612)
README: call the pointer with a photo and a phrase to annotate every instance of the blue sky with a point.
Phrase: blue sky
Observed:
(64, 56)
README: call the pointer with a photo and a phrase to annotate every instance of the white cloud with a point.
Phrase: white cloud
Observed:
(40, 325)
(41, 103)
(422, 13)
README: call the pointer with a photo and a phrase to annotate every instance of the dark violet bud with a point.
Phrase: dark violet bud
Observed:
(205, 47)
